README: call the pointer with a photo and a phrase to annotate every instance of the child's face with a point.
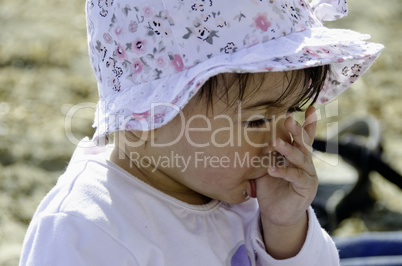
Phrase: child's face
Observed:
(216, 156)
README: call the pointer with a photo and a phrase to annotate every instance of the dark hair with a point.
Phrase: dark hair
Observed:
(217, 87)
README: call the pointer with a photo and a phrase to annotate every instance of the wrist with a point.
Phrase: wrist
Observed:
(284, 241)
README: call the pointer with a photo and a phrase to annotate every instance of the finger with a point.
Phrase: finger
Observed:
(294, 175)
(300, 137)
(296, 157)
(310, 122)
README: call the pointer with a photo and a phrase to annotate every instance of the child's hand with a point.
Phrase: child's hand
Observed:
(286, 192)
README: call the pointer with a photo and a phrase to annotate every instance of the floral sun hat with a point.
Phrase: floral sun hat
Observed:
(151, 56)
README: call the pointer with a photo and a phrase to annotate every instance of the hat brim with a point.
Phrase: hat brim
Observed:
(346, 51)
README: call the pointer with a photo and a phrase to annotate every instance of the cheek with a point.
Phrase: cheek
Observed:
(256, 137)
(220, 178)
(217, 133)
(220, 165)
(197, 137)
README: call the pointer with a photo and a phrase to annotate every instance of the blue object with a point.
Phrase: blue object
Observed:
(370, 249)
(373, 261)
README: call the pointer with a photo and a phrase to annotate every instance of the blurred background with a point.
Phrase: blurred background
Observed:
(45, 70)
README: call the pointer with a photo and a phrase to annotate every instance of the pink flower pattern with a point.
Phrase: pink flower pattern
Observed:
(133, 26)
(133, 46)
(139, 46)
(160, 62)
(108, 38)
(138, 66)
(177, 62)
(261, 22)
(148, 11)
(118, 31)
(120, 52)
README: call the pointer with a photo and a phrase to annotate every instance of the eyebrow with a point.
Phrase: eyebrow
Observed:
(267, 104)
(261, 104)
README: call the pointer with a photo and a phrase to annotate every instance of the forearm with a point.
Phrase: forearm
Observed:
(284, 242)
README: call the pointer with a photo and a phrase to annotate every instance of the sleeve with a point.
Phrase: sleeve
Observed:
(62, 239)
(318, 249)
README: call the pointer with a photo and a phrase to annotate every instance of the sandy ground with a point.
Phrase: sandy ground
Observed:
(44, 71)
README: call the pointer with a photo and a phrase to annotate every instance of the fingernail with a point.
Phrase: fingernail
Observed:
(272, 169)
(281, 141)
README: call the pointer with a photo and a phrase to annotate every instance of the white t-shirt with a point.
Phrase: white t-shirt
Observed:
(98, 214)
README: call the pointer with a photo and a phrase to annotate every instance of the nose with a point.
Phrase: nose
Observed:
(277, 131)
(282, 132)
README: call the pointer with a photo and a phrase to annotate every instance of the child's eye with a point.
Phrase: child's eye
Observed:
(257, 123)
(294, 109)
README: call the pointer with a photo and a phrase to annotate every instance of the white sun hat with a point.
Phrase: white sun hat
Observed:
(151, 56)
